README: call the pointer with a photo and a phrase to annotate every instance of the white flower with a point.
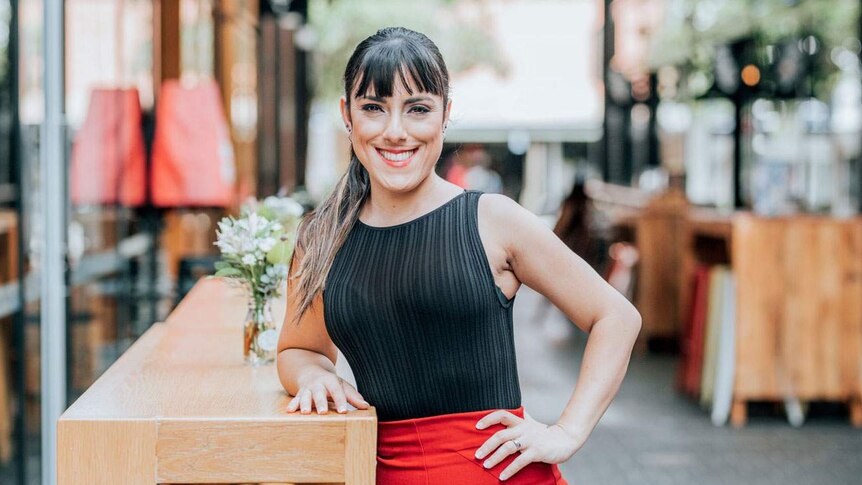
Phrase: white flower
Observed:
(266, 244)
(246, 240)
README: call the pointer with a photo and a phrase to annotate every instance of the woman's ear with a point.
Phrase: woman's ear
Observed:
(447, 113)
(345, 113)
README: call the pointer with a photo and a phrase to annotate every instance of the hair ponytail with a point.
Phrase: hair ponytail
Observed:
(322, 233)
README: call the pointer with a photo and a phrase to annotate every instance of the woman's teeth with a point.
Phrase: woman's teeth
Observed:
(396, 157)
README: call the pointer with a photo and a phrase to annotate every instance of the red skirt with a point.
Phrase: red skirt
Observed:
(441, 450)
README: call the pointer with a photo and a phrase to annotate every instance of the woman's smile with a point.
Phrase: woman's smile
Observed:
(396, 158)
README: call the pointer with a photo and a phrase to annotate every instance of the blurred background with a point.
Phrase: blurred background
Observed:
(702, 155)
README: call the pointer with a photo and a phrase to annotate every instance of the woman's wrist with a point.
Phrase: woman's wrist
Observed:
(576, 439)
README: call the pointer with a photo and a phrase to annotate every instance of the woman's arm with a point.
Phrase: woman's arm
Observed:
(306, 359)
(540, 260)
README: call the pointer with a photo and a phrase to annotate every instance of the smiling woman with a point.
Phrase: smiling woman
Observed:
(413, 279)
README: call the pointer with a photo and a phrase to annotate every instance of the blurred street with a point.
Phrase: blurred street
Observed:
(652, 434)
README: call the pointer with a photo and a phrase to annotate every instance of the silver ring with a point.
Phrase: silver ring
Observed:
(517, 444)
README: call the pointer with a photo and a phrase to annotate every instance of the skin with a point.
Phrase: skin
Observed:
(520, 249)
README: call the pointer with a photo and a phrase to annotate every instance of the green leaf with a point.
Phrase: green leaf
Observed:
(222, 265)
(267, 213)
(228, 272)
(280, 253)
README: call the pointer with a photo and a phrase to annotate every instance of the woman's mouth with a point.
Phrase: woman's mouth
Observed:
(400, 158)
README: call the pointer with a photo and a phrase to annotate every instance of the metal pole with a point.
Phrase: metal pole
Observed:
(18, 338)
(607, 53)
(51, 262)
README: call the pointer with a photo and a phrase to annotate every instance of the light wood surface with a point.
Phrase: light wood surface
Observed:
(799, 310)
(659, 242)
(180, 407)
(798, 304)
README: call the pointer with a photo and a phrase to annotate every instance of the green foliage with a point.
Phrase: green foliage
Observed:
(693, 28)
(341, 24)
(228, 272)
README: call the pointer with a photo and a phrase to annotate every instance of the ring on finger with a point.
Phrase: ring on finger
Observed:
(517, 444)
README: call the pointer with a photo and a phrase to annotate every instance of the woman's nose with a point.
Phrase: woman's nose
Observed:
(395, 129)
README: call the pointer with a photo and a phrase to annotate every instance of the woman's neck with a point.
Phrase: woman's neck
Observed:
(385, 207)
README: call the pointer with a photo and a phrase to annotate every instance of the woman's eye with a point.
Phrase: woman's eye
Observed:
(419, 109)
(371, 107)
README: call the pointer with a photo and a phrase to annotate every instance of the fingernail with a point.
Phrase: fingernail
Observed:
(479, 455)
(486, 465)
(342, 409)
(480, 426)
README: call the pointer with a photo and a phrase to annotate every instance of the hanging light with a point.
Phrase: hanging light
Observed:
(750, 75)
(193, 160)
(108, 162)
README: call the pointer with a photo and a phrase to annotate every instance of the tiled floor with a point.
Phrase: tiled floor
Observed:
(653, 435)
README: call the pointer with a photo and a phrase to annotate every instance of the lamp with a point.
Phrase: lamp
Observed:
(108, 163)
(193, 160)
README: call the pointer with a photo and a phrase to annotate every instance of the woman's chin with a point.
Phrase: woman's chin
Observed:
(400, 183)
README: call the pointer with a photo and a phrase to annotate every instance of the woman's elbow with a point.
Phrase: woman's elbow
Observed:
(628, 319)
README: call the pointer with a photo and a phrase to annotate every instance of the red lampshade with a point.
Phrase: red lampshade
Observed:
(193, 162)
(108, 163)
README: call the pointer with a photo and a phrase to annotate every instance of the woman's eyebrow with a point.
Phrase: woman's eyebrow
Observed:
(415, 99)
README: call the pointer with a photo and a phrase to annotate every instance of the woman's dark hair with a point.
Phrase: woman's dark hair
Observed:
(392, 54)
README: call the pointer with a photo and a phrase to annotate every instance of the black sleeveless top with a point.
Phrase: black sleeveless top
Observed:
(415, 310)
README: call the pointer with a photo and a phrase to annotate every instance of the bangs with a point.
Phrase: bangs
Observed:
(396, 60)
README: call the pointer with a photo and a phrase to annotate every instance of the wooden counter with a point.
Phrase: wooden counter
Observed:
(180, 407)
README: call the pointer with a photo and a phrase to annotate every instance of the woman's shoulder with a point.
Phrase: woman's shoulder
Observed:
(505, 220)
(501, 208)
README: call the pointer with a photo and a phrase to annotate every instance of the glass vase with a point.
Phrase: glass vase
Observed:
(259, 336)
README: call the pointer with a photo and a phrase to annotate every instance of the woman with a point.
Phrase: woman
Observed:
(413, 279)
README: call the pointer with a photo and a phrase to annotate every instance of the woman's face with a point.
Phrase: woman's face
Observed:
(397, 139)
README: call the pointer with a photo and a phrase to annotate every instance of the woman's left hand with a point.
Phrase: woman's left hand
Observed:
(538, 442)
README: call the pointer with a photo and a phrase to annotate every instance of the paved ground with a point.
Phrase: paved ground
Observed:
(653, 435)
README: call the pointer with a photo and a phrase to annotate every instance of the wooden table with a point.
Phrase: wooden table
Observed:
(798, 304)
(180, 407)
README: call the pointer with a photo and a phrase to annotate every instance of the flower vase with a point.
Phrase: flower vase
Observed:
(259, 336)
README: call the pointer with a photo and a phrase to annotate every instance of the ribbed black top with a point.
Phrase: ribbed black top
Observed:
(415, 310)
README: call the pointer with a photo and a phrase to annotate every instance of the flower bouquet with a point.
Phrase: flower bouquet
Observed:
(255, 250)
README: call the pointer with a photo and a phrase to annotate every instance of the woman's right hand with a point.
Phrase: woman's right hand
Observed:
(318, 388)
